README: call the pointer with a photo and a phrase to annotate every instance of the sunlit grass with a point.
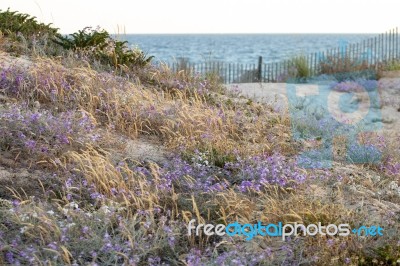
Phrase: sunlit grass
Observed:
(229, 160)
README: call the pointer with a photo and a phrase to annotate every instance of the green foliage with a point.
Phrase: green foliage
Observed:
(392, 66)
(13, 23)
(298, 70)
(99, 45)
(122, 55)
(25, 35)
(86, 38)
(301, 66)
(93, 43)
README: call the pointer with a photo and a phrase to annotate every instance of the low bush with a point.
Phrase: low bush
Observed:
(302, 68)
(99, 45)
(24, 35)
(13, 23)
(298, 70)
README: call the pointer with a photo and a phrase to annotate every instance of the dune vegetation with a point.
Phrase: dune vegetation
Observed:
(105, 158)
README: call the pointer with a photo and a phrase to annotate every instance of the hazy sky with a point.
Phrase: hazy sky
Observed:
(215, 16)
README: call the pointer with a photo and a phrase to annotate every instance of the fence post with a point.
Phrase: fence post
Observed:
(259, 70)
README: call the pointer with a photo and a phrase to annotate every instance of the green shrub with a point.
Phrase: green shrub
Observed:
(99, 45)
(122, 55)
(28, 34)
(13, 23)
(301, 66)
(25, 35)
(86, 38)
(298, 70)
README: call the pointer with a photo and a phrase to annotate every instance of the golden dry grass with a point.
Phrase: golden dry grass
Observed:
(145, 217)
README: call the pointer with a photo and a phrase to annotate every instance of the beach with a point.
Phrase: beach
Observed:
(276, 95)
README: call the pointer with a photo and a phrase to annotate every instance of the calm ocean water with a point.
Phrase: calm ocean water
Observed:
(238, 48)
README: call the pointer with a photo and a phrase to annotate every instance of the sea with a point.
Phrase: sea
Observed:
(237, 48)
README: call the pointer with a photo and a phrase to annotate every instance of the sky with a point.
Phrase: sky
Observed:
(214, 16)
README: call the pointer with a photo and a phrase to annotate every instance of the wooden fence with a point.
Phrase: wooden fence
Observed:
(368, 54)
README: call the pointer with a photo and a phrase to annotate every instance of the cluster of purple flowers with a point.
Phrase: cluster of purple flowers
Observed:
(347, 86)
(41, 132)
(390, 167)
(188, 177)
(358, 85)
(86, 236)
(252, 173)
(257, 171)
(11, 79)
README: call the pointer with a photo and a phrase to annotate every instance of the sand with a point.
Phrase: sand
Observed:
(7, 61)
(381, 109)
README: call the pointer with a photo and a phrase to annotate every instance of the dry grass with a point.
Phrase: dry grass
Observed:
(183, 117)
(136, 213)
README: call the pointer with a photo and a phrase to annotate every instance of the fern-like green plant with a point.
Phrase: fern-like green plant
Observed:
(101, 46)
(123, 55)
(94, 43)
(86, 38)
(14, 23)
